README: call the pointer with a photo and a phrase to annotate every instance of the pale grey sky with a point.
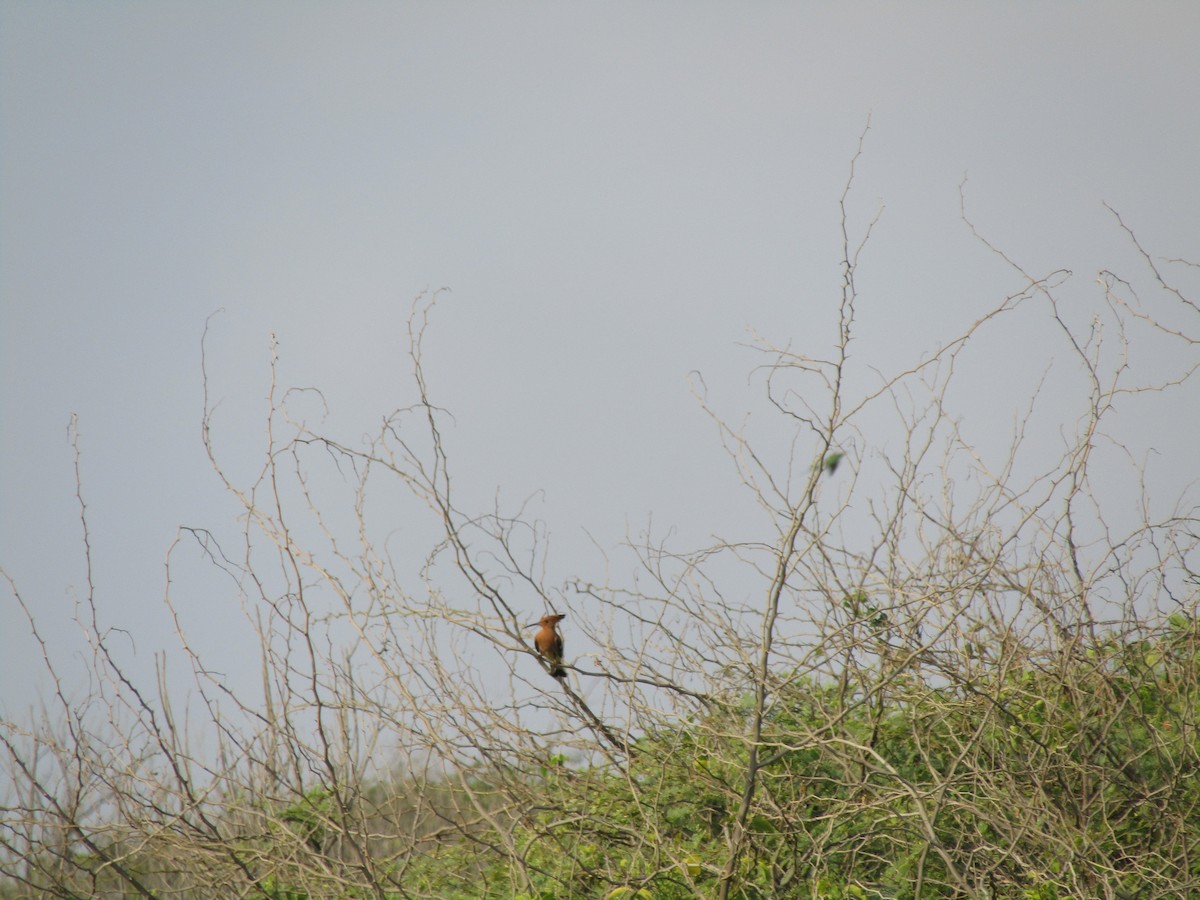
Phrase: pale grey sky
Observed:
(614, 193)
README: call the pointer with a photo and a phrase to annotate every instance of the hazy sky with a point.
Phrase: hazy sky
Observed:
(613, 193)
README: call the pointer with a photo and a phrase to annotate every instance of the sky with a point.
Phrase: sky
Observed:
(614, 195)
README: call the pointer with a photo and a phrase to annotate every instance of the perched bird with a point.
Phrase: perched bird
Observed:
(549, 644)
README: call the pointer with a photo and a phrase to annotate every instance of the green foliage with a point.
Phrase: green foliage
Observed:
(1013, 781)
(1031, 781)
(309, 817)
(273, 889)
(1034, 782)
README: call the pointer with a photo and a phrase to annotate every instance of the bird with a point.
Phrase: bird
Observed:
(549, 644)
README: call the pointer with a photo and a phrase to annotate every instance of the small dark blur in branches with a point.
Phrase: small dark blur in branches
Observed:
(934, 671)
